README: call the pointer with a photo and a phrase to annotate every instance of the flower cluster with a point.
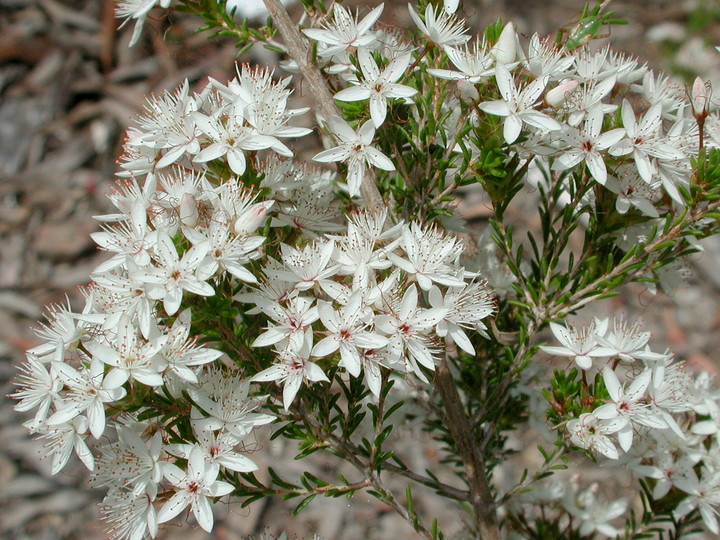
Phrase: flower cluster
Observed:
(370, 295)
(231, 265)
(361, 290)
(657, 418)
(131, 353)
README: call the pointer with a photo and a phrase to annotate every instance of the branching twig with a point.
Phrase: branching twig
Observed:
(351, 453)
(426, 481)
(578, 298)
(539, 474)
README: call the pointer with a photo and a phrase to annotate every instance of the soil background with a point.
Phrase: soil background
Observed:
(69, 86)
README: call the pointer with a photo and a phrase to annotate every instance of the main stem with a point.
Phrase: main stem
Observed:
(463, 434)
(300, 52)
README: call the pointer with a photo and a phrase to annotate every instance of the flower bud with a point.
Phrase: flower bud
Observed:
(557, 96)
(188, 210)
(252, 218)
(505, 50)
(700, 98)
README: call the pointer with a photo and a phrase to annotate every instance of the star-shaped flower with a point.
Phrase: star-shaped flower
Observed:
(355, 148)
(378, 85)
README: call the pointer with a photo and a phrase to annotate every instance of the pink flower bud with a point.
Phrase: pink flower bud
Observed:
(557, 96)
(700, 98)
(505, 50)
(188, 210)
(252, 218)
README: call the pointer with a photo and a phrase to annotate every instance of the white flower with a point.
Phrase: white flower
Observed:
(169, 125)
(130, 238)
(131, 463)
(87, 391)
(38, 388)
(632, 190)
(466, 307)
(595, 516)
(626, 341)
(294, 368)
(227, 251)
(356, 149)
(231, 138)
(430, 256)
(193, 488)
(218, 449)
(578, 343)
(347, 332)
(63, 332)
(587, 144)
(63, 438)
(378, 86)
(518, 105)
(628, 406)
(179, 353)
(589, 96)
(441, 27)
(137, 10)
(473, 62)
(129, 516)
(174, 275)
(703, 494)
(224, 397)
(309, 266)
(643, 139)
(293, 320)
(590, 432)
(666, 468)
(124, 294)
(546, 59)
(345, 31)
(408, 328)
(128, 356)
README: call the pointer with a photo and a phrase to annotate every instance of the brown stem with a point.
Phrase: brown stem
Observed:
(463, 434)
(300, 52)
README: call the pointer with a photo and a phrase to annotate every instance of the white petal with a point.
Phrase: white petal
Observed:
(314, 373)
(498, 108)
(355, 93)
(378, 110)
(338, 153)
(290, 390)
(203, 513)
(342, 129)
(612, 383)
(173, 507)
(326, 346)
(237, 462)
(596, 166)
(512, 128)
(377, 158)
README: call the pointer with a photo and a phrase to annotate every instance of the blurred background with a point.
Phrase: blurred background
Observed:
(69, 87)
